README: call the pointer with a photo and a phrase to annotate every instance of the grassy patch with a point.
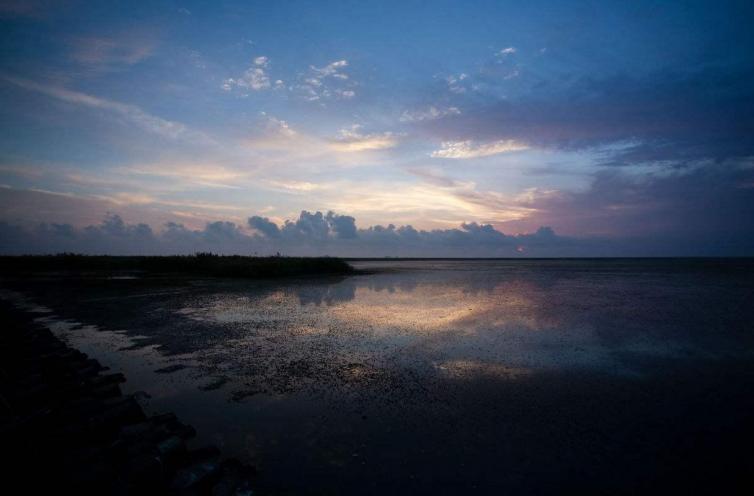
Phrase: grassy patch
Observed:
(204, 264)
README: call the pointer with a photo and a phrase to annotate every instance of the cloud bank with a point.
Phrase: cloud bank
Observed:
(314, 233)
(318, 233)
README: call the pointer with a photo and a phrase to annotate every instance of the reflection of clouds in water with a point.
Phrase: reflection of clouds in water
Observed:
(381, 304)
(477, 318)
(324, 294)
(426, 308)
(372, 330)
(476, 322)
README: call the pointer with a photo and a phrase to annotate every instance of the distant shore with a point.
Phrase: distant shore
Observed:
(200, 264)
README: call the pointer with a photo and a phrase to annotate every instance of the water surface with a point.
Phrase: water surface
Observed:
(440, 376)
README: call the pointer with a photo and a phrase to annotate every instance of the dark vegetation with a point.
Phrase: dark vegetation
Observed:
(200, 264)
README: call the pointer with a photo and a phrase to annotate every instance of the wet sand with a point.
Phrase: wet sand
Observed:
(445, 377)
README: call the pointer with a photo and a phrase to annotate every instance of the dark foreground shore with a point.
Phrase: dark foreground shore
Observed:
(66, 427)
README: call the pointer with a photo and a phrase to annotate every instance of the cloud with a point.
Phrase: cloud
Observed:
(316, 84)
(458, 83)
(709, 209)
(464, 196)
(352, 140)
(114, 236)
(339, 234)
(274, 134)
(111, 236)
(333, 69)
(264, 226)
(328, 82)
(255, 78)
(471, 149)
(275, 142)
(296, 186)
(490, 79)
(131, 113)
(33, 206)
(188, 173)
(343, 226)
(670, 116)
(109, 52)
(707, 213)
(313, 233)
(345, 93)
(277, 127)
(430, 113)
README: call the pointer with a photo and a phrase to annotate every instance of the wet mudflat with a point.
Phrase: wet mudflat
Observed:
(436, 377)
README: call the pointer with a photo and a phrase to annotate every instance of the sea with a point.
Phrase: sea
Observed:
(549, 376)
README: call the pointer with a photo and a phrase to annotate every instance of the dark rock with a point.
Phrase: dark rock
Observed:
(69, 429)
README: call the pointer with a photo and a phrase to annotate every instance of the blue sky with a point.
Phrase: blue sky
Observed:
(622, 127)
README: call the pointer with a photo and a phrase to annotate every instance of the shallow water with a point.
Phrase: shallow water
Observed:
(435, 376)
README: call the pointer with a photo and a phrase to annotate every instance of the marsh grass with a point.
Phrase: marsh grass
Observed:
(199, 264)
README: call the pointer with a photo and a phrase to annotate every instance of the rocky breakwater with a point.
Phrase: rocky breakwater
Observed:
(66, 426)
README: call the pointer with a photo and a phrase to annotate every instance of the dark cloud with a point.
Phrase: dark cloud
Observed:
(311, 227)
(703, 211)
(338, 235)
(222, 232)
(114, 236)
(316, 227)
(312, 234)
(707, 113)
(264, 226)
(344, 226)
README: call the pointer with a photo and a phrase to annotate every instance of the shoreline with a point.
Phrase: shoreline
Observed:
(67, 425)
(200, 264)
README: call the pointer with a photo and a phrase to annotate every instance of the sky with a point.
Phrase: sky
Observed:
(407, 128)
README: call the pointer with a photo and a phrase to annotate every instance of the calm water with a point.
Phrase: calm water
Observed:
(441, 377)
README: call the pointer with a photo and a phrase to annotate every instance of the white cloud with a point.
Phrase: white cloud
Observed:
(507, 67)
(294, 186)
(132, 113)
(345, 93)
(431, 113)
(352, 140)
(254, 78)
(471, 149)
(275, 127)
(318, 83)
(330, 81)
(512, 74)
(456, 83)
(332, 69)
(276, 135)
(190, 174)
